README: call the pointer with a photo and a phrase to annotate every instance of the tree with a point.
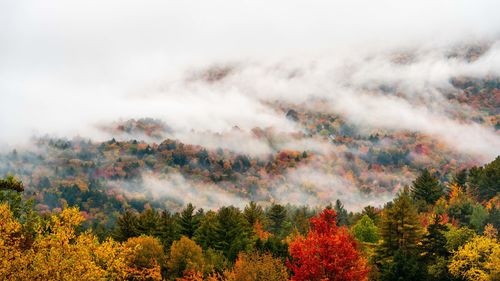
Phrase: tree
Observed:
(205, 234)
(460, 178)
(433, 250)
(253, 213)
(188, 222)
(277, 217)
(342, 216)
(489, 181)
(230, 234)
(426, 188)
(185, 256)
(127, 226)
(478, 217)
(326, 253)
(257, 267)
(11, 183)
(477, 260)
(400, 233)
(145, 258)
(365, 230)
(457, 237)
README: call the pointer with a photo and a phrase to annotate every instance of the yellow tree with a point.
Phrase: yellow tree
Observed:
(185, 256)
(58, 253)
(12, 259)
(145, 258)
(256, 267)
(478, 260)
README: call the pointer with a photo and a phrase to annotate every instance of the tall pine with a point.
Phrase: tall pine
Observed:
(426, 188)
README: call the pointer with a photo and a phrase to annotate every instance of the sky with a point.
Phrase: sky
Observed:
(67, 67)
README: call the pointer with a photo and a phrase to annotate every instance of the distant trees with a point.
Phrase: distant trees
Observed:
(326, 253)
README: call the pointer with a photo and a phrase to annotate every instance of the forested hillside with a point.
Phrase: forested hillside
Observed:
(431, 231)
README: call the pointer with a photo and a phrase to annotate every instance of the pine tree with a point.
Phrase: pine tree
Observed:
(253, 213)
(426, 188)
(342, 215)
(400, 233)
(277, 217)
(461, 178)
(127, 226)
(230, 235)
(188, 221)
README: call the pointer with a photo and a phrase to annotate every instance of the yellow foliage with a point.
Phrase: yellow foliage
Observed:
(478, 260)
(11, 256)
(185, 255)
(144, 259)
(256, 267)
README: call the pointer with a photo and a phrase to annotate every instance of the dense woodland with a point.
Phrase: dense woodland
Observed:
(430, 231)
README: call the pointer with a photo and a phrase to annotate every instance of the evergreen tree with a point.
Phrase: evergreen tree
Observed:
(168, 229)
(127, 226)
(342, 215)
(460, 178)
(489, 182)
(230, 235)
(205, 234)
(426, 188)
(253, 213)
(277, 217)
(188, 221)
(434, 252)
(400, 233)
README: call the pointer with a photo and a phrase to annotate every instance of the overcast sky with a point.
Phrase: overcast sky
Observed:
(67, 64)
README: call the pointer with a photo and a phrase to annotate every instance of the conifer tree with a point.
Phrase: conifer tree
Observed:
(426, 188)
(188, 221)
(230, 234)
(253, 213)
(400, 232)
(277, 217)
(342, 215)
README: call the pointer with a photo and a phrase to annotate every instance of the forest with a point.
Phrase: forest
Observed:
(431, 230)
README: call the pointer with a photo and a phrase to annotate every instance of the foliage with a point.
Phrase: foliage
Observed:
(257, 267)
(477, 260)
(326, 253)
(185, 256)
(365, 230)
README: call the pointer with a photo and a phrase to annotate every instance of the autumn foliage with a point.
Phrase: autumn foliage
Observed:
(326, 253)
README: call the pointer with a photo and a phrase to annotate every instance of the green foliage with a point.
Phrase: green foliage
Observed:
(457, 237)
(478, 217)
(426, 188)
(253, 213)
(230, 235)
(342, 215)
(188, 221)
(276, 216)
(365, 230)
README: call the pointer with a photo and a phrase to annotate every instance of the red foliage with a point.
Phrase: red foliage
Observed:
(327, 253)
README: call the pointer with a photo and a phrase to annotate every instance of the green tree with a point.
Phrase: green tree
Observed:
(400, 233)
(253, 213)
(276, 216)
(365, 230)
(342, 215)
(188, 221)
(434, 252)
(230, 234)
(426, 188)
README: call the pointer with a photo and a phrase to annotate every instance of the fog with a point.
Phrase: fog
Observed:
(69, 67)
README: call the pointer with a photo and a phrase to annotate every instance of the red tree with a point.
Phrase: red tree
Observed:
(327, 253)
